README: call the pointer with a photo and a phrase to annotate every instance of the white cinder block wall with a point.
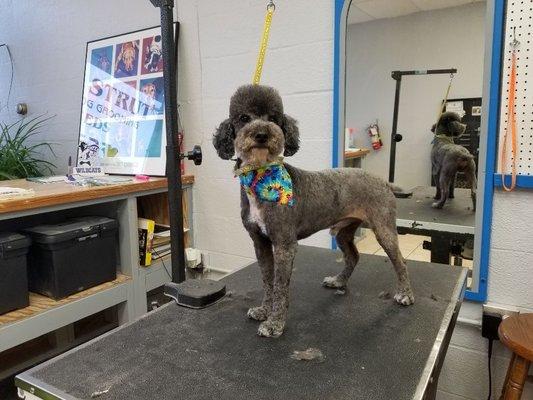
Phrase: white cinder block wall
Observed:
(464, 373)
(218, 49)
(299, 64)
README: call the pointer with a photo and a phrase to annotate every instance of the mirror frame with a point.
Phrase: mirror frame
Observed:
(494, 36)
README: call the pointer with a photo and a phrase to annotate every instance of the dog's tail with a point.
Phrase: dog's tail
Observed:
(465, 160)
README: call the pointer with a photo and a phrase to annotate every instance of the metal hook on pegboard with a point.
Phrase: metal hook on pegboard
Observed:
(515, 42)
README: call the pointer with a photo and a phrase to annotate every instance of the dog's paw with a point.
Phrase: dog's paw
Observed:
(436, 205)
(258, 313)
(271, 328)
(334, 282)
(404, 297)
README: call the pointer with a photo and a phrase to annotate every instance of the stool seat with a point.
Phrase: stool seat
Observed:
(516, 333)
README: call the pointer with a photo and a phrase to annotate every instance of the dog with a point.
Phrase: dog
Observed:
(149, 101)
(103, 62)
(126, 57)
(448, 158)
(153, 54)
(149, 90)
(281, 204)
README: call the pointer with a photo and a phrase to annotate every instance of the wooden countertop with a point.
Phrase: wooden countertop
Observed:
(62, 193)
(355, 153)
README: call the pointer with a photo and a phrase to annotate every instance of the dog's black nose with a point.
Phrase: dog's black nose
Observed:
(261, 137)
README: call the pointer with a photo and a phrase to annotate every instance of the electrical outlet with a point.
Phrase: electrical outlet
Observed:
(489, 325)
(492, 317)
(498, 310)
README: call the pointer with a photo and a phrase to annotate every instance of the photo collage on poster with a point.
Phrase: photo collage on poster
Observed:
(122, 125)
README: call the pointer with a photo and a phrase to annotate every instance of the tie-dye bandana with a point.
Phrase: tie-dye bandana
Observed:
(270, 182)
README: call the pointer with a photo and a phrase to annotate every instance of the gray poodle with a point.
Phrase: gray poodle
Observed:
(281, 204)
(448, 158)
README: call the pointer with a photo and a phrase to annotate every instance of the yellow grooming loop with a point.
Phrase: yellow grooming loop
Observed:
(443, 105)
(271, 7)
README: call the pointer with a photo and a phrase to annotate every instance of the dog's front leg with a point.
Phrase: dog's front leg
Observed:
(265, 259)
(284, 253)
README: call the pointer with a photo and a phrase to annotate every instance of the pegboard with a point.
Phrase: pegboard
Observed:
(520, 17)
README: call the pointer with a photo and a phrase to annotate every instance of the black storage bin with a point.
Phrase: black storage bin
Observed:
(72, 256)
(13, 272)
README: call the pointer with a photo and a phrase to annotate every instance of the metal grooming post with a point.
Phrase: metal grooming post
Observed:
(173, 167)
(395, 137)
(193, 293)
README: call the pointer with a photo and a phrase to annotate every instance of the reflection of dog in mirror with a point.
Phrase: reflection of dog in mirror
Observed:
(296, 203)
(448, 158)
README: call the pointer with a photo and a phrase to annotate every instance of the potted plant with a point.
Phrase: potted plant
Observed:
(21, 155)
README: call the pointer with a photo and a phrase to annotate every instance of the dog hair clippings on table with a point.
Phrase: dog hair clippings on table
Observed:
(267, 183)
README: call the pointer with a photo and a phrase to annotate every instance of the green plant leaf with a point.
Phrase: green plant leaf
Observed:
(20, 156)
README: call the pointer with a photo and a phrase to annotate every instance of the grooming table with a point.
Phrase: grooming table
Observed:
(373, 348)
(454, 222)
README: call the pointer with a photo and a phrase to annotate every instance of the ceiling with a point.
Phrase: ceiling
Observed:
(369, 10)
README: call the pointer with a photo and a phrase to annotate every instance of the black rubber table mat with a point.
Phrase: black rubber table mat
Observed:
(457, 211)
(373, 348)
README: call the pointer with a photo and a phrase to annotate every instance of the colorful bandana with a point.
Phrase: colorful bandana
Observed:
(270, 182)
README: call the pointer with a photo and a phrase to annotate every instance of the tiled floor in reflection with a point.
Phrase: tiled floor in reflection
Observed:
(410, 246)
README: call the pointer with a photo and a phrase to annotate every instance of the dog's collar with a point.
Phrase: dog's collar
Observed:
(270, 182)
(444, 138)
(252, 167)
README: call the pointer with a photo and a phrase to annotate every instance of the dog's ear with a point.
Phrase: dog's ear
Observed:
(223, 140)
(289, 127)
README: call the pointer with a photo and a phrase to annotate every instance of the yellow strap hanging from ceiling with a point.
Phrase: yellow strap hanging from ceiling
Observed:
(264, 43)
(443, 105)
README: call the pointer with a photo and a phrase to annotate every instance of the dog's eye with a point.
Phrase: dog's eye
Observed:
(245, 118)
(272, 118)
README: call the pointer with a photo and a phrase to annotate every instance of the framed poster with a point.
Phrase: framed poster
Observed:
(122, 123)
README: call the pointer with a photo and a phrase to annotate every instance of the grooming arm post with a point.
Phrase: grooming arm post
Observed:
(394, 132)
(173, 166)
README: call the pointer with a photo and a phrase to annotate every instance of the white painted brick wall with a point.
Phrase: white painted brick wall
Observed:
(299, 64)
(510, 284)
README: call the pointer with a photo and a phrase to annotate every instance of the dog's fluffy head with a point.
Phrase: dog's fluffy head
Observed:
(449, 124)
(149, 90)
(257, 126)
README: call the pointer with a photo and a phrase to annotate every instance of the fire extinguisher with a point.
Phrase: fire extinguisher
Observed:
(375, 138)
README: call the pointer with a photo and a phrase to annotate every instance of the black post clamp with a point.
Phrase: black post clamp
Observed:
(195, 293)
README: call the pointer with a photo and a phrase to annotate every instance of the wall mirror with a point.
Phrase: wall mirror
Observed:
(402, 68)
